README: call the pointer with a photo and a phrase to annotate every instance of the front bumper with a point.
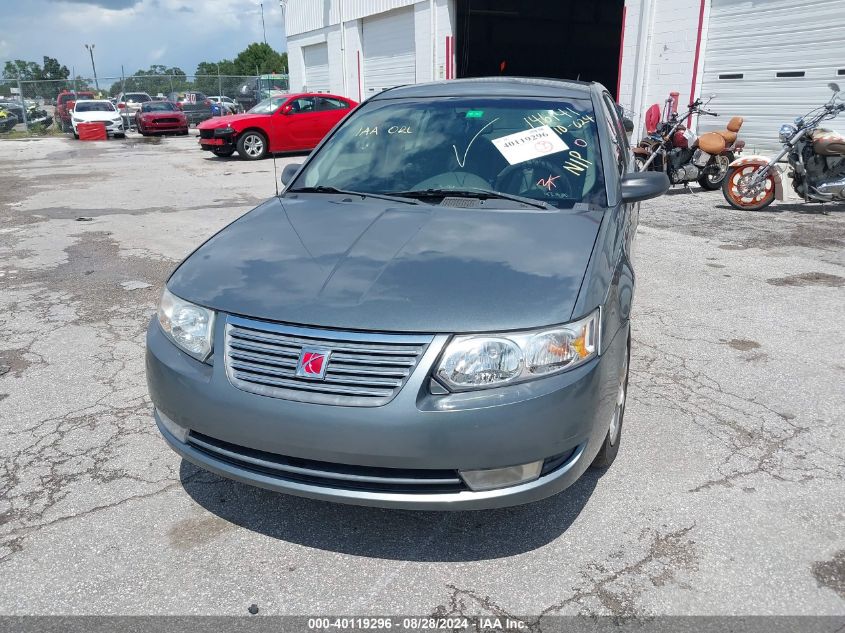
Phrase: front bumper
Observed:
(566, 415)
(112, 127)
(211, 143)
(158, 126)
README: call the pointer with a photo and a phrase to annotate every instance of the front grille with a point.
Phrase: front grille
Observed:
(206, 133)
(365, 369)
(167, 120)
(342, 476)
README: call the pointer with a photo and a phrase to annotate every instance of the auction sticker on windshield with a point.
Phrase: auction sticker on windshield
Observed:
(522, 146)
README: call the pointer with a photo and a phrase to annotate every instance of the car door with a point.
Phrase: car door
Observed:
(298, 124)
(331, 111)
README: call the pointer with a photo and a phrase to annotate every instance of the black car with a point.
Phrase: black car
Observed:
(195, 105)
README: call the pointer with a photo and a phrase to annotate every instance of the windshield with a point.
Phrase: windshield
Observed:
(544, 149)
(158, 106)
(268, 106)
(94, 106)
(137, 97)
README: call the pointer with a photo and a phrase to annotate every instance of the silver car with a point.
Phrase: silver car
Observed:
(129, 103)
(435, 314)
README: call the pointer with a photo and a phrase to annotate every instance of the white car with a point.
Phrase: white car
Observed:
(227, 102)
(97, 111)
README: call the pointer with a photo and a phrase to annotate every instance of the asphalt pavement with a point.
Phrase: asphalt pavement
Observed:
(727, 496)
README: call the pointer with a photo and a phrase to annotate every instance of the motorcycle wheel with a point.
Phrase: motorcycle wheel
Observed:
(639, 161)
(711, 182)
(735, 189)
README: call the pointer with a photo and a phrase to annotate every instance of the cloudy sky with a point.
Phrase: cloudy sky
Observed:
(135, 33)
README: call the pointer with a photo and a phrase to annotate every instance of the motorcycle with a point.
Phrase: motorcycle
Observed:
(7, 120)
(816, 157)
(685, 157)
(36, 116)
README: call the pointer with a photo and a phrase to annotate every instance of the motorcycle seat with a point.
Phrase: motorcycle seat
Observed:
(828, 143)
(712, 142)
(730, 133)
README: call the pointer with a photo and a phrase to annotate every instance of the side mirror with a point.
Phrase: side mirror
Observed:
(286, 109)
(628, 124)
(644, 185)
(833, 86)
(290, 171)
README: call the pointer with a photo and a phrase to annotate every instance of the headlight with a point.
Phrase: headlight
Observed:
(786, 132)
(190, 326)
(75, 120)
(223, 131)
(479, 361)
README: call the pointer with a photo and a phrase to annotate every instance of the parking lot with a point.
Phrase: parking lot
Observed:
(728, 496)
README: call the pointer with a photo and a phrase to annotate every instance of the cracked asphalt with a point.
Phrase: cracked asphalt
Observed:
(728, 496)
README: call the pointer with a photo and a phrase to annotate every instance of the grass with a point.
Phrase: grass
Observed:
(34, 131)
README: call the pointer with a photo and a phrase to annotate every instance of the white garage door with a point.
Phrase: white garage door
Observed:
(388, 45)
(316, 57)
(770, 61)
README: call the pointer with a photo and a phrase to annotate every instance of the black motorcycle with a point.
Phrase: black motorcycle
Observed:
(37, 117)
(816, 157)
(685, 157)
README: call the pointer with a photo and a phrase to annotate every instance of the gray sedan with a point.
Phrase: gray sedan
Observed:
(435, 314)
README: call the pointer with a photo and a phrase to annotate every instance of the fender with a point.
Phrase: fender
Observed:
(756, 160)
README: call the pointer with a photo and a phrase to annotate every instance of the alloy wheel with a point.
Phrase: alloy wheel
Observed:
(254, 145)
(619, 409)
(745, 194)
(722, 162)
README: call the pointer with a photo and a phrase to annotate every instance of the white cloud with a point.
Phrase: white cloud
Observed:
(171, 32)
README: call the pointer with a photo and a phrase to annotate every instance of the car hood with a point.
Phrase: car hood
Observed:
(234, 120)
(96, 116)
(377, 265)
(162, 113)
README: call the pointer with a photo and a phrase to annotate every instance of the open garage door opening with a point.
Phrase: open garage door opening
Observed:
(562, 39)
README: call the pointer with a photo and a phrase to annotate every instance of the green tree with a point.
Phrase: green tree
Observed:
(260, 57)
(53, 77)
(53, 70)
(206, 79)
(40, 82)
(20, 69)
(157, 79)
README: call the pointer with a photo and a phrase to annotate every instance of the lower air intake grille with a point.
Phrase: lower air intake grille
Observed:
(347, 477)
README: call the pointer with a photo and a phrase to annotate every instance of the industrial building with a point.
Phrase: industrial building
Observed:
(765, 60)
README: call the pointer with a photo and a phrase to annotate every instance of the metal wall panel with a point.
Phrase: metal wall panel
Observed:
(302, 16)
(389, 51)
(758, 39)
(316, 62)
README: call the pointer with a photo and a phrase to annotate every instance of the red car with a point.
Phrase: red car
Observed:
(160, 116)
(283, 123)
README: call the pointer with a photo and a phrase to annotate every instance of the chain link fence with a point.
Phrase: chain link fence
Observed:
(40, 107)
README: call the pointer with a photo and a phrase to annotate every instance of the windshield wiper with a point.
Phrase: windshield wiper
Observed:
(481, 194)
(363, 194)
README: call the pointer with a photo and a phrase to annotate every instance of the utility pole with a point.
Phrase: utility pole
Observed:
(283, 5)
(93, 67)
(263, 28)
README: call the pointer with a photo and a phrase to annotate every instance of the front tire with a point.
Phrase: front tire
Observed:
(252, 145)
(711, 182)
(739, 195)
(610, 447)
(639, 161)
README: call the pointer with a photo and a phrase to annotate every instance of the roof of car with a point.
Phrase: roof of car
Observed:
(490, 87)
(93, 101)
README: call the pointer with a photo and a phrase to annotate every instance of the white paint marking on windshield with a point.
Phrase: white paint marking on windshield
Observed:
(458, 158)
